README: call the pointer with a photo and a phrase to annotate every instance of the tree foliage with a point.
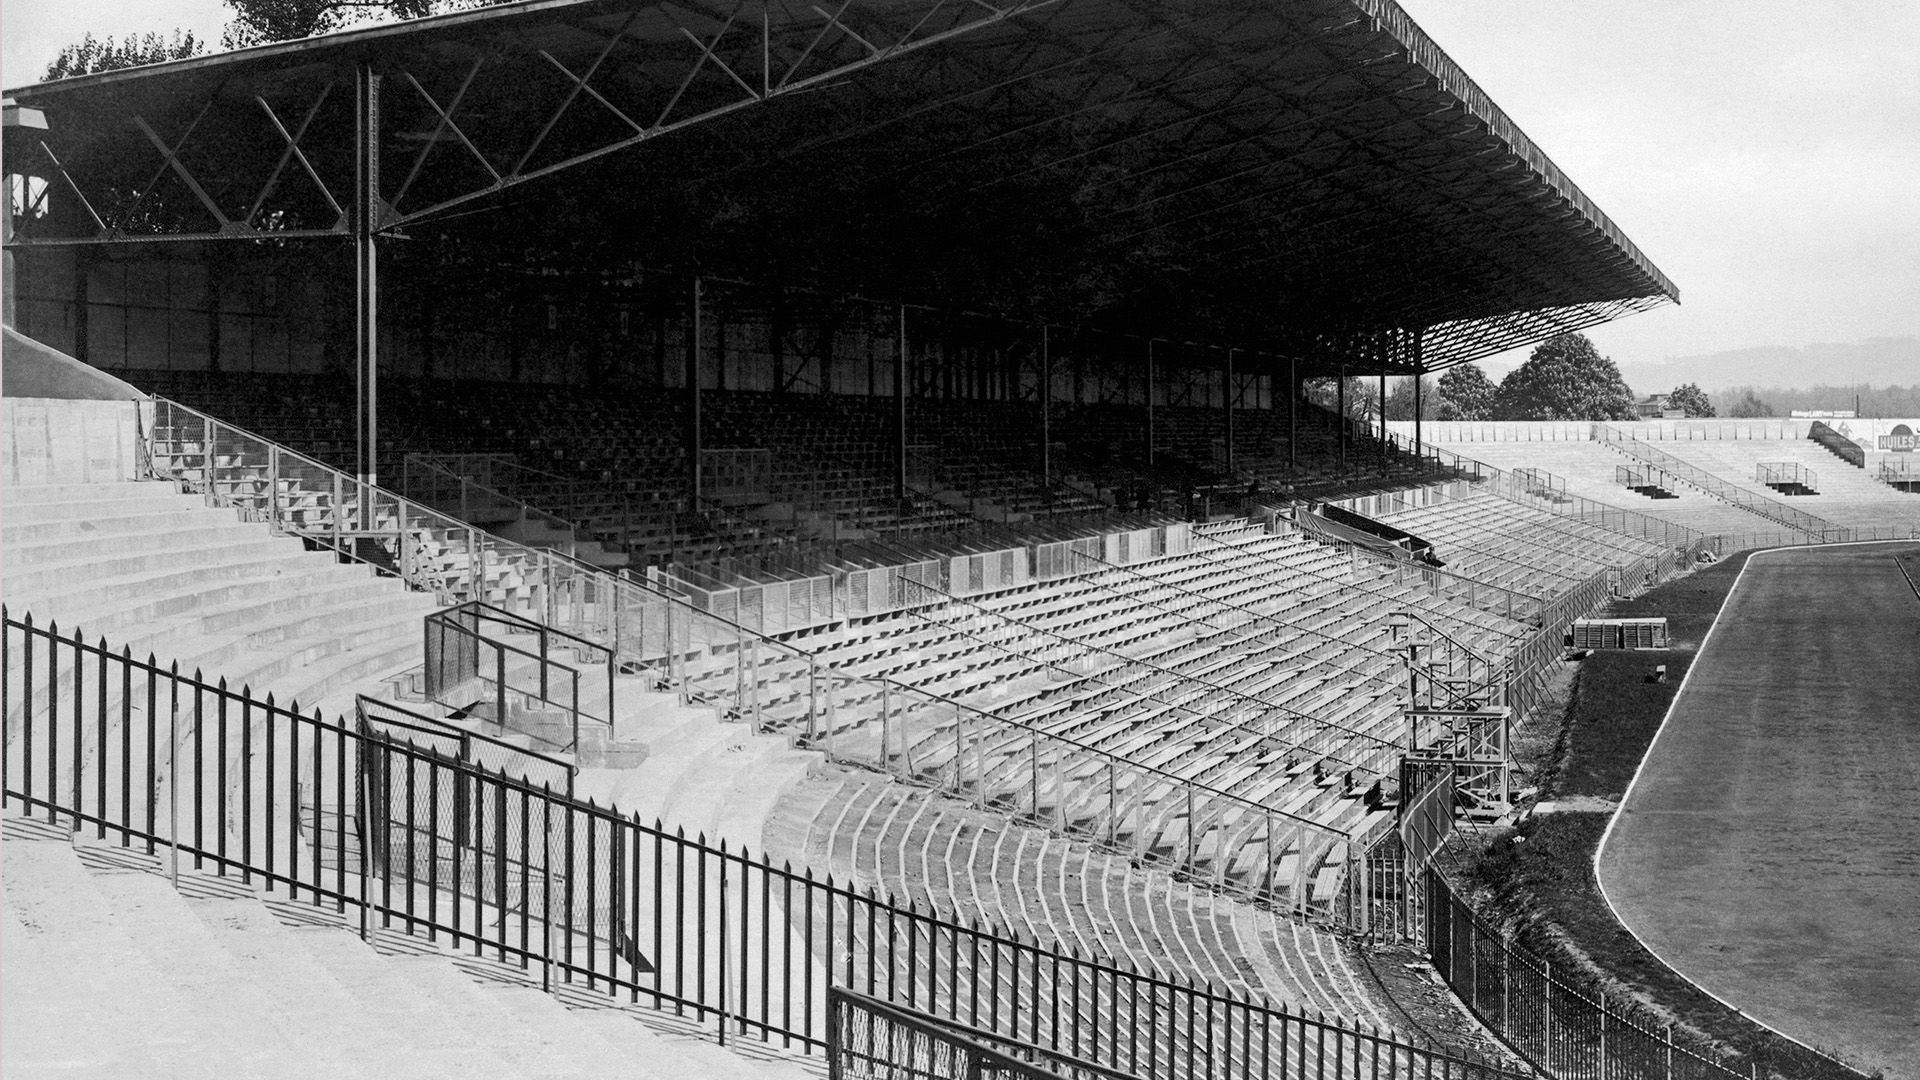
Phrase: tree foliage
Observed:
(1400, 400)
(1466, 394)
(1566, 378)
(258, 22)
(92, 54)
(1747, 405)
(1690, 397)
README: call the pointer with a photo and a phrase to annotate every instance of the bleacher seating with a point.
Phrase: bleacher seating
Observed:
(1518, 547)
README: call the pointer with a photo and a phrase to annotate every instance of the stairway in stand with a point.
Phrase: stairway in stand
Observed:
(161, 572)
(111, 972)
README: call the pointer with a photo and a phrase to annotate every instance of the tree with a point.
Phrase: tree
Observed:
(1690, 397)
(257, 22)
(1749, 406)
(1400, 400)
(93, 54)
(1566, 378)
(1466, 394)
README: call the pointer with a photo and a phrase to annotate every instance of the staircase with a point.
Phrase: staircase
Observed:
(112, 972)
(163, 573)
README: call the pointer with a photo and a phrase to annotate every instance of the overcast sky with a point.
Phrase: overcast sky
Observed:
(1764, 153)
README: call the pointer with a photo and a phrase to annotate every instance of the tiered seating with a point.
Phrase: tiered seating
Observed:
(971, 864)
(1258, 667)
(1846, 496)
(220, 978)
(1260, 443)
(161, 572)
(1518, 547)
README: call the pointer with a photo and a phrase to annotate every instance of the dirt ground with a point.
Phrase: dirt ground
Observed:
(1770, 849)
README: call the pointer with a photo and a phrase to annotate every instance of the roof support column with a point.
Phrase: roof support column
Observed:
(366, 321)
(1419, 372)
(1418, 375)
(1383, 418)
(1293, 412)
(900, 408)
(1229, 399)
(695, 442)
(1046, 407)
(1151, 385)
(1340, 397)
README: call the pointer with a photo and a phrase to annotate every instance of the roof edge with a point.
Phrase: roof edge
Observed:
(339, 39)
(1393, 20)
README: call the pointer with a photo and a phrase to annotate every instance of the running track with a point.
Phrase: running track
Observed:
(1769, 850)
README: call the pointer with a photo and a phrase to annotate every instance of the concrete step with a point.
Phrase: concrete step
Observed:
(123, 985)
(78, 566)
(68, 550)
(24, 494)
(102, 521)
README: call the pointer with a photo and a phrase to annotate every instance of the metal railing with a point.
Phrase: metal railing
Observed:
(1559, 1028)
(1778, 474)
(1528, 490)
(1842, 447)
(1707, 482)
(465, 486)
(382, 717)
(467, 661)
(871, 1039)
(401, 834)
(1445, 584)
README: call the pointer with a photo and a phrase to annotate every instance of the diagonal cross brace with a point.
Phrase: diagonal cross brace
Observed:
(172, 156)
(293, 152)
(579, 84)
(446, 124)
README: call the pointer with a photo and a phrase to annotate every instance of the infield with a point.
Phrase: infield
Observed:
(1769, 849)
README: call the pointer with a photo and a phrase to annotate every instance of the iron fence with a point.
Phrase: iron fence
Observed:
(1670, 465)
(403, 834)
(871, 1039)
(1556, 1027)
(469, 660)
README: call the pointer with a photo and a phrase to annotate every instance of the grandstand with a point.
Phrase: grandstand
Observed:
(649, 651)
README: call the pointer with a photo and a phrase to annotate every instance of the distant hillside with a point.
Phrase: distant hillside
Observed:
(1875, 361)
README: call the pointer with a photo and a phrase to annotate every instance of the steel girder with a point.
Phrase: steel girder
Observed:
(242, 151)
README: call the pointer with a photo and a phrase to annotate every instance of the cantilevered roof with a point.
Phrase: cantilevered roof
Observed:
(1303, 175)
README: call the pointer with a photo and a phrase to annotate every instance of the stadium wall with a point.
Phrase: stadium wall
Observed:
(283, 311)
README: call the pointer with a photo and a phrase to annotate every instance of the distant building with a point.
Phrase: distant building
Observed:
(1657, 407)
(1823, 414)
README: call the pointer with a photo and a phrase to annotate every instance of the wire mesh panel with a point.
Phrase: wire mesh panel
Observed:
(393, 823)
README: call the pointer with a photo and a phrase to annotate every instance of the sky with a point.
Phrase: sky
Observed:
(1765, 154)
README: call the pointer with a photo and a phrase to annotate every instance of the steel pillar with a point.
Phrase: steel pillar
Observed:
(1046, 405)
(1293, 412)
(900, 408)
(1383, 418)
(366, 320)
(1418, 375)
(1150, 388)
(1229, 400)
(695, 442)
(1341, 397)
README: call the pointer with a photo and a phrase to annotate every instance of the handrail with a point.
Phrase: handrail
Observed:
(1258, 702)
(1842, 447)
(454, 622)
(1713, 485)
(1646, 526)
(1277, 622)
(398, 822)
(1308, 522)
(428, 725)
(467, 484)
(974, 1048)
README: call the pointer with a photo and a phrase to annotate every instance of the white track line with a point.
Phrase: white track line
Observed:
(1601, 847)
